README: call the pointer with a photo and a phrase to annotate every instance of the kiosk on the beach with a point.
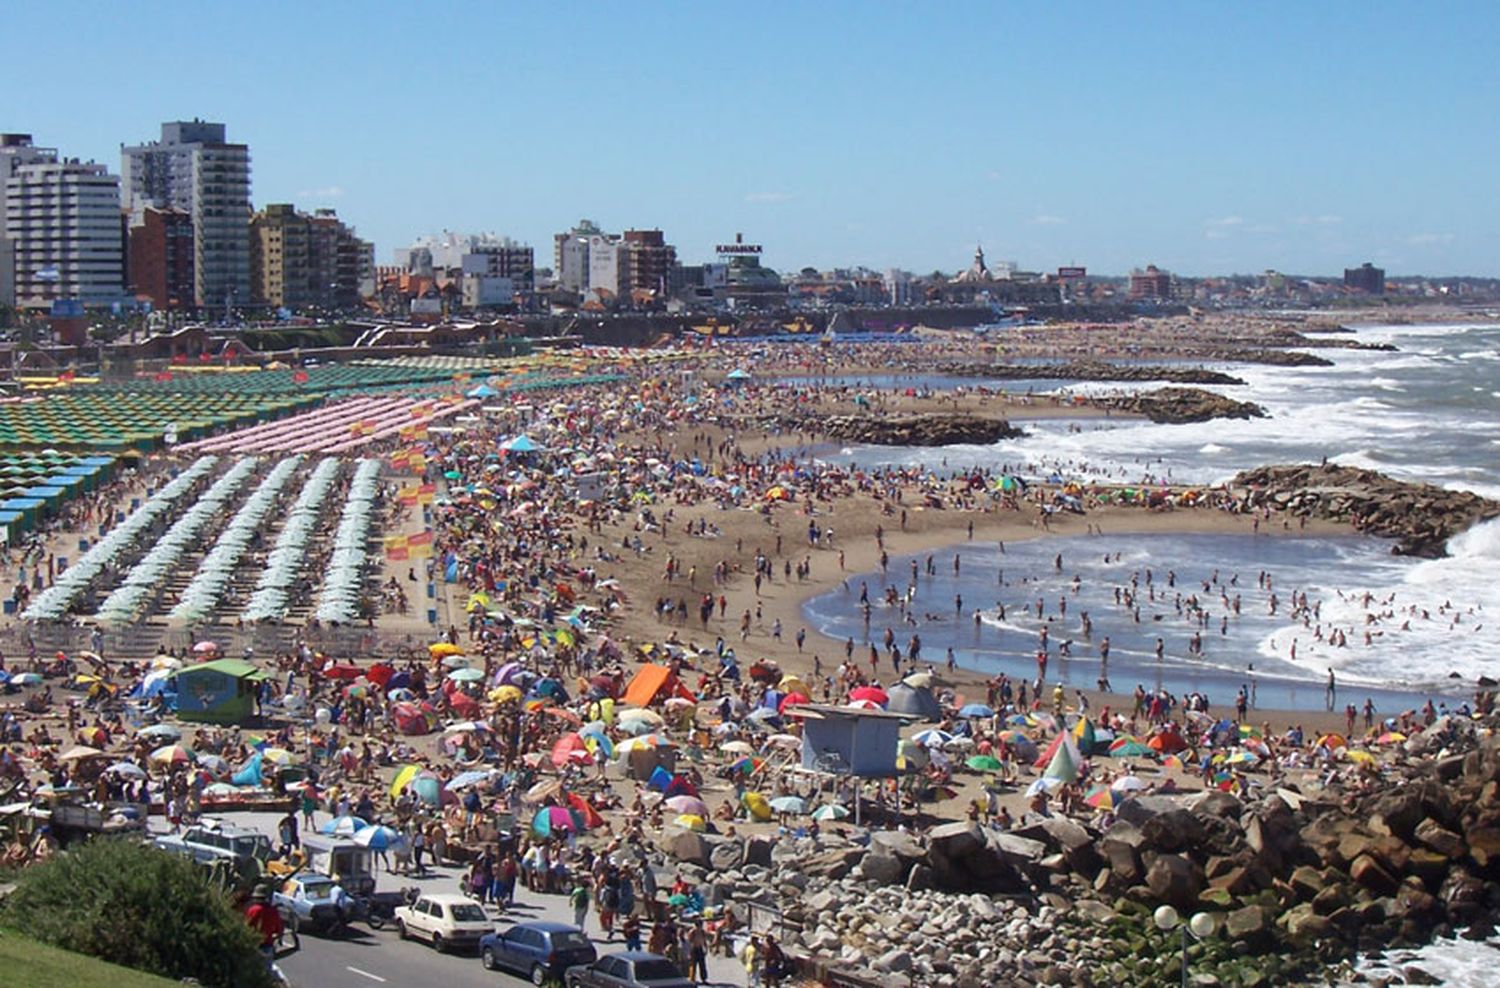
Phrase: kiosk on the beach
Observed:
(850, 740)
(220, 692)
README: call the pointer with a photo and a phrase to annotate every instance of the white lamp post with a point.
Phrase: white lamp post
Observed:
(1200, 927)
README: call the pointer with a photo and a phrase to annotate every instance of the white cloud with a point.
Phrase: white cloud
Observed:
(1325, 219)
(769, 197)
(1047, 219)
(1227, 221)
(328, 192)
(1429, 239)
(1263, 228)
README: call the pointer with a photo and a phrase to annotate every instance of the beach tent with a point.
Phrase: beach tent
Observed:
(917, 701)
(250, 775)
(652, 682)
(1064, 763)
(1059, 742)
(1083, 733)
(221, 692)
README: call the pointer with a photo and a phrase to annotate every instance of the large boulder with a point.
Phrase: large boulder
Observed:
(1175, 879)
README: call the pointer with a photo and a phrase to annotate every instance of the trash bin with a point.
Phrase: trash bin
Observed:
(432, 615)
(431, 591)
(10, 605)
(83, 545)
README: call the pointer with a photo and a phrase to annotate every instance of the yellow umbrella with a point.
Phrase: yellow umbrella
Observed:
(441, 650)
(692, 821)
(506, 693)
(277, 756)
(1355, 755)
(407, 773)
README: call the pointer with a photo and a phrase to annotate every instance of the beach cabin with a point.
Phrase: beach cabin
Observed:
(221, 692)
(850, 740)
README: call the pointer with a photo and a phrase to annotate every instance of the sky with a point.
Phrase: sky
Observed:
(1205, 138)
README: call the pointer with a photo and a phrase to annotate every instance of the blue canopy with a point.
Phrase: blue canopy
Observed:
(522, 444)
(483, 391)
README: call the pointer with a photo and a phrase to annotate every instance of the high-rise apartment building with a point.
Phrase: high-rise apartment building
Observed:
(570, 256)
(1366, 279)
(649, 261)
(589, 261)
(300, 259)
(15, 150)
(194, 168)
(62, 226)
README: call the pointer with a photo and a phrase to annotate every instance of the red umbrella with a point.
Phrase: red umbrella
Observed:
(465, 705)
(872, 693)
(792, 700)
(586, 811)
(380, 673)
(345, 671)
(570, 748)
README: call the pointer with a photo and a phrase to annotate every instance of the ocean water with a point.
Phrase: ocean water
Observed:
(1429, 411)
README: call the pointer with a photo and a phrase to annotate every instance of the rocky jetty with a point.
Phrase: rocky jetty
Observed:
(1176, 405)
(1297, 882)
(1420, 517)
(922, 429)
(1081, 370)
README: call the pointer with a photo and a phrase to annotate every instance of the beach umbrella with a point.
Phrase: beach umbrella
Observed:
(129, 770)
(26, 679)
(681, 703)
(984, 763)
(789, 804)
(570, 748)
(466, 675)
(736, 748)
(1171, 761)
(1391, 737)
(1355, 755)
(830, 811)
(932, 737)
(403, 775)
(279, 756)
(1101, 797)
(918, 680)
(747, 764)
(1243, 758)
(465, 779)
(343, 826)
(687, 804)
(205, 646)
(638, 714)
(693, 822)
(378, 838)
(173, 754)
(551, 820)
(975, 710)
(1044, 785)
(93, 735)
(466, 727)
(911, 756)
(168, 663)
(357, 691)
(1128, 783)
(213, 765)
(343, 671)
(872, 694)
(1128, 748)
(79, 753)
(439, 650)
(505, 694)
(1332, 741)
(427, 788)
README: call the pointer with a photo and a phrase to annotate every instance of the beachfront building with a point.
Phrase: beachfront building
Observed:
(484, 269)
(570, 256)
(1152, 283)
(299, 259)
(1366, 279)
(194, 168)
(63, 235)
(159, 257)
(15, 150)
(636, 266)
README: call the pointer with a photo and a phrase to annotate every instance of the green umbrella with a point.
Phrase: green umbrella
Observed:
(984, 763)
(466, 675)
(830, 811)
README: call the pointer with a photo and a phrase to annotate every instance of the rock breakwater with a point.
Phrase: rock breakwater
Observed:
(1178, 405)
(923, 429)
(1079, 370)
(1420, 517)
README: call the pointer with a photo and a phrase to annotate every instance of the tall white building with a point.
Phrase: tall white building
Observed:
(570, 256)
(15, 150)
(194, 168)
(62, 220)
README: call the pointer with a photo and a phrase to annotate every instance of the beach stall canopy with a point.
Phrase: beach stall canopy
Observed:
(221, 692)
(653, 682)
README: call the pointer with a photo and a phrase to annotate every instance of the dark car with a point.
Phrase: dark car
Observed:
(629, 969)
(539, 951)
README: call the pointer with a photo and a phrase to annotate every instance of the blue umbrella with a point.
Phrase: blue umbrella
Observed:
(427, 789)
(976, 710)
(378, 838)
(343, 826)
(463, 779)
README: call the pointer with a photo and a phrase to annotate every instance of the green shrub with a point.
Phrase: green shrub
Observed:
(140, 907)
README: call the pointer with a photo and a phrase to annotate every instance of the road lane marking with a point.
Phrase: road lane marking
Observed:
(365, 974)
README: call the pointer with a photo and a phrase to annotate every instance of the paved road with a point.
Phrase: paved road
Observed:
(363, 958)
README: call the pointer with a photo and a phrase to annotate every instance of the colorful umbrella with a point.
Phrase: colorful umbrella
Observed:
(173, 754)
(550, 820)
(1101, 797)
(404, 775)
(975, 710)
(465, 779)
(984, 763)
(687, 804)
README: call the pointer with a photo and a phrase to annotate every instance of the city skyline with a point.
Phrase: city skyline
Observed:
(840, 136)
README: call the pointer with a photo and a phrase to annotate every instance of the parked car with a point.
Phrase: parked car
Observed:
(314, 904)
(445, 921)
(628, 969)
(540, 951)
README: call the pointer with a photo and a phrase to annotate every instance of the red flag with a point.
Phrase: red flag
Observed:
(299, 377)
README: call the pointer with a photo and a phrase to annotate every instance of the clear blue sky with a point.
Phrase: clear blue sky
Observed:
(1203, 137)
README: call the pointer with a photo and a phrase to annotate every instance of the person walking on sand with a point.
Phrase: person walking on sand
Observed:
(1331, 692)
